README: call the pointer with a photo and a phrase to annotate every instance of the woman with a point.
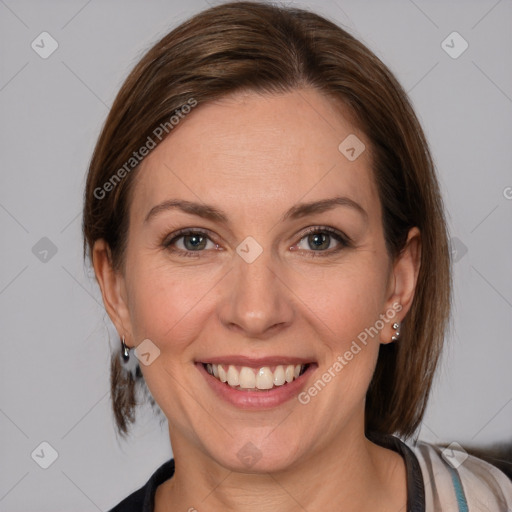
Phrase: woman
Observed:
(268, 234)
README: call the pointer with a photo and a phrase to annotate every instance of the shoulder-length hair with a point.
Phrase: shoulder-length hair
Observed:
(268, 49)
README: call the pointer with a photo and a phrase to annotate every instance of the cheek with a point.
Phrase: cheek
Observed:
(171, 308)
(166, 304)
(343, 307)
(348, 342)
(347, 299)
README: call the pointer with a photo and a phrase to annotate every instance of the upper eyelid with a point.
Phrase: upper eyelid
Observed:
(326, 229)
(180, 233)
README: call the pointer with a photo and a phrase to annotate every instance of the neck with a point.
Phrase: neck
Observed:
(358, 475)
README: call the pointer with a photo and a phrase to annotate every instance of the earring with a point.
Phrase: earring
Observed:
(125, 351)
(395, 336)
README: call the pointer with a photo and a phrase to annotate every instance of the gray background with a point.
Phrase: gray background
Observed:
(55, 332)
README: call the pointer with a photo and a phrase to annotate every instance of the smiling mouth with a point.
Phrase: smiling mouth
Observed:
(255, 379)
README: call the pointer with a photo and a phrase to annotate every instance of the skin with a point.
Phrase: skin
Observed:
(254, 157)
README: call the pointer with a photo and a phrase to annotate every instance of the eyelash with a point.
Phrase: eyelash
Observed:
(344, 241)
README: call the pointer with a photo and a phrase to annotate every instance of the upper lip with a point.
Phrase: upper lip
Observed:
(256, 362)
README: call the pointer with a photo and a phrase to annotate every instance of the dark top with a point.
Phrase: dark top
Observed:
(143, 500)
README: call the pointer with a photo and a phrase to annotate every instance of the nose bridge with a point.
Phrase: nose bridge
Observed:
(256, 302)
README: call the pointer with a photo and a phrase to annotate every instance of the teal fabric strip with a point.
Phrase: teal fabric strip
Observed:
(459, 491)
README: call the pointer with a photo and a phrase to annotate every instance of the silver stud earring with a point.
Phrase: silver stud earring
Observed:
(395, 336)
(125, 352)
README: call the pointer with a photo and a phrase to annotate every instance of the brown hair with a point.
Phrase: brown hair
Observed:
(260, 47)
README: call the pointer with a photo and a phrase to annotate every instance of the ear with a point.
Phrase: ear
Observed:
(402, 282)
(113, 290)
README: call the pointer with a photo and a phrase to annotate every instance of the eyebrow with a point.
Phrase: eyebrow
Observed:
(295, 212)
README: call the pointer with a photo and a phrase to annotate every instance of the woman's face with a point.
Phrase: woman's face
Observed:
(270, 260)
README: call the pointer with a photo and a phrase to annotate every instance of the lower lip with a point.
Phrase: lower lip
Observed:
(265, 399)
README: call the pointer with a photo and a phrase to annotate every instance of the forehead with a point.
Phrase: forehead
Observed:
(254, 152)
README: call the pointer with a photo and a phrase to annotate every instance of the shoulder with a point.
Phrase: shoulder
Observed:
(453, 478)
(133, 503)
(143, 499)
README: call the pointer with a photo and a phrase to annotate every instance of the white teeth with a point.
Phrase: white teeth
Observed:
(289, 373)
(222, 373)
(265, 378)
(249, 378)
(279, 378)
(233, 376)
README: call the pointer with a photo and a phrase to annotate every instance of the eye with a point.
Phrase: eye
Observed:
(322, 240)
(188, 241)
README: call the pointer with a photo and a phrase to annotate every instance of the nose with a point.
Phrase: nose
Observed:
(257, 302)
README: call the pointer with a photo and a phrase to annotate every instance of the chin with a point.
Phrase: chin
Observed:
(248, 455)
